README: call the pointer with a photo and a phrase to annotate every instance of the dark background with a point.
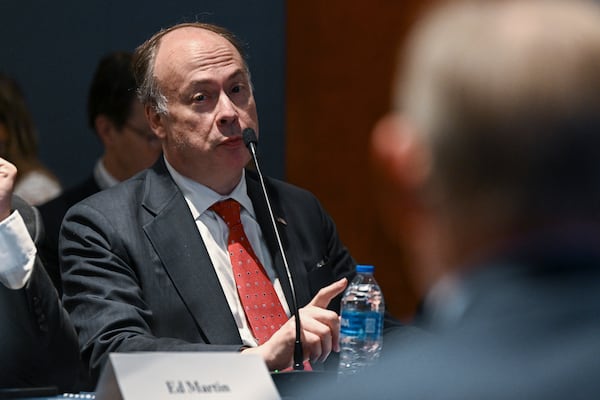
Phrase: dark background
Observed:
(52, 48)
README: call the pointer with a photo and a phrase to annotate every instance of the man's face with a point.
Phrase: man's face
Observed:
(209, 102)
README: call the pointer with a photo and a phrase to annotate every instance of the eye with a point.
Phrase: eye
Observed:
(236, 89)
(199, 97)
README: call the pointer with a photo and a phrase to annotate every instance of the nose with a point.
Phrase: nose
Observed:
(227, 111)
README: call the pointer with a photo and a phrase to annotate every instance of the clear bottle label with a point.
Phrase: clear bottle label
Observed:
(362, 325)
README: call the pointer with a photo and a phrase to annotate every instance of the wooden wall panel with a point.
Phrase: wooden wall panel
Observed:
(340, 57)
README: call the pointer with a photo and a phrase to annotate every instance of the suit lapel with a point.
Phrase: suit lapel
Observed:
(264, 220)
(175, 238)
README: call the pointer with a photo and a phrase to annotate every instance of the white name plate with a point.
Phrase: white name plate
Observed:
(184, 376)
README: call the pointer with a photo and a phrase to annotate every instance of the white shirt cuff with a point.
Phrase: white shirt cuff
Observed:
(17, 252)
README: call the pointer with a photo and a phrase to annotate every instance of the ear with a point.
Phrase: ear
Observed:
(105, 129)
(401, 172)
(400, 152)
(155, 120)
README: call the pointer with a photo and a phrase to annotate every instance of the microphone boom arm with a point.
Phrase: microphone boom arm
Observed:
(250, 140)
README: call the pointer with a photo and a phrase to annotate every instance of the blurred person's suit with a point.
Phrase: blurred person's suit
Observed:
(53, 213)
(38, 345)
(522, 325)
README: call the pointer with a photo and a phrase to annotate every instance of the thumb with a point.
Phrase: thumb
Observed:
(324, 296)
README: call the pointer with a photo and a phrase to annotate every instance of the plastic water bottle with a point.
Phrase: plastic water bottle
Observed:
(361, 331)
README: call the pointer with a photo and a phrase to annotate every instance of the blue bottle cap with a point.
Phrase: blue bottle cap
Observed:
(365, 268)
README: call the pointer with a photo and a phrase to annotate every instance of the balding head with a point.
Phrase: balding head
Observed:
(144, 60)
(507, 97)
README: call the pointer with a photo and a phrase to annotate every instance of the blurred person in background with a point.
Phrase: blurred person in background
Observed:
(117, 117)
(18, 144)
(494, 147)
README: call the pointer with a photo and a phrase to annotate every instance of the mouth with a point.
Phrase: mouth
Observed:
(233, 141)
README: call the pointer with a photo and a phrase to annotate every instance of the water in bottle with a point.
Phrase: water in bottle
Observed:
(361, 331)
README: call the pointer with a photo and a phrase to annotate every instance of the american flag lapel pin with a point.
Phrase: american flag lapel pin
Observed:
(281, 221)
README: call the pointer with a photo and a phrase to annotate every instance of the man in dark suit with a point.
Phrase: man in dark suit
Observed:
(38, 345)
(117, 118)
(495, 147)
(146, 264)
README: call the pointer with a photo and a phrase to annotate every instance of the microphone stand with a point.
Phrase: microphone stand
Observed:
(250, 140)
(287, 382)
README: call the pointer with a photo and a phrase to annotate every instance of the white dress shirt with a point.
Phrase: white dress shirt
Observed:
(17, 252)
(214, 233)
(103, 178)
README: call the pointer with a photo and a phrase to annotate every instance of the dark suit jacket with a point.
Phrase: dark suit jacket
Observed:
(38, 345)
(53, 213)
(530, 329)
(137, 275)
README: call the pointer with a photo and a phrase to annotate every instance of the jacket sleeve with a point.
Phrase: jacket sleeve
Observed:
(38, 342)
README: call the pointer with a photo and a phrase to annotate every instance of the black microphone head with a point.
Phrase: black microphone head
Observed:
(249, 137)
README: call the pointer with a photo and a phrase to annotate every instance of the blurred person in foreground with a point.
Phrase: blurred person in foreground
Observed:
(150, 258)
(495, 147)
(117, 117)
(38, 345)
(35, 183)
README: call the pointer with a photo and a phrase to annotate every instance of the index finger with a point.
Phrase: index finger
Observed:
(326, 294)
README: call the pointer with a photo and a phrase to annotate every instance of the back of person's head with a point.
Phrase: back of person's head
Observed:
(112, 91)
(506, 94)
(19, 145)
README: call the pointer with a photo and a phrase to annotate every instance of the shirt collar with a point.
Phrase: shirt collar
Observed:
(200, 197)
(102, 177)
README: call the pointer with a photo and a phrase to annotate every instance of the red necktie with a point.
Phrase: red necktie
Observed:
(257, 295)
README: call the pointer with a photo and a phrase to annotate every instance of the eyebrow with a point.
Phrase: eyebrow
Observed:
(235, 75)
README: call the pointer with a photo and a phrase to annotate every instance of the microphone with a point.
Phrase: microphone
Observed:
(251, 142)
